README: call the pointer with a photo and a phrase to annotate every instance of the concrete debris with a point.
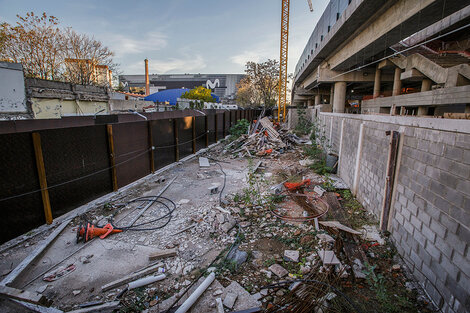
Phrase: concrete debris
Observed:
(220, 306)
(328, 257)
(217, 292)
(229, 300)
(42, 288)
(204, 162)
(76, 292)
(325, 238)
(358, 269)
(291, 255)
(184, 201)
(370, 233)
(396, 267)
(278, 270)
(319, 190)
(214, 189)
(306, 162)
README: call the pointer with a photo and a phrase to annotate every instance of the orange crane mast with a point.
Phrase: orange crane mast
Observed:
(283, 58)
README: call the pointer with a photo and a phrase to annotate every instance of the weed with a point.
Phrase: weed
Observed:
(240, 128)
(269, 262)
(304, 126)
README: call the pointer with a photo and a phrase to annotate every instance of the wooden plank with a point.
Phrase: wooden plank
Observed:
(152, 151)
(23, 295)
(42, 177)
(112, 158)
(390, 178)
(33, 255)
(338, 225)
(131, 277)
(162, 254)
(106, 307)
(176, 140)
(194, 134)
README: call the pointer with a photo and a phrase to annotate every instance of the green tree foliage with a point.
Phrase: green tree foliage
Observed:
(199, 93)
(260, 83)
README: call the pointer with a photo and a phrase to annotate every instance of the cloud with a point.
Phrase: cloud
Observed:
(185, 64)
(124, 45)
(258, 53)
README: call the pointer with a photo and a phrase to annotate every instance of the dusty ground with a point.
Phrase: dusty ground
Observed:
(264, 237)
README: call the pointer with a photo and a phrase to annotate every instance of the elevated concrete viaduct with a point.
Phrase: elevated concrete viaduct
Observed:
(355, 51)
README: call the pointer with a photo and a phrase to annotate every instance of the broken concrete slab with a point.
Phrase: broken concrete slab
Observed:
(229, 300)
(245, 300)
(291, 255)
(328, 257)
(278, 270)
(325, 238)
(370, 233)
(204, 162)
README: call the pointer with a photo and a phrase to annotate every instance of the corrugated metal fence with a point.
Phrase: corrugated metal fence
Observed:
(92, 158)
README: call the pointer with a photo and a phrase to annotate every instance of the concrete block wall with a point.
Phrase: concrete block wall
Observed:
(430, 217)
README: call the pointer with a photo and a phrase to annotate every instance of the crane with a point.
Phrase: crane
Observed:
(283, 58)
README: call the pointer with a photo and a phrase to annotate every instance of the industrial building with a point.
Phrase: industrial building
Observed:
(222, 85)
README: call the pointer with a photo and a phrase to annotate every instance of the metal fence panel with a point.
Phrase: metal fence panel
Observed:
(200, 132)
(164, 142)
(185, 136)
(77, 160)
(18, 175)
(131, 148)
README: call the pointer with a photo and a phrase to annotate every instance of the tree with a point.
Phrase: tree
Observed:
(246, 93)
(87, 61)
(199, 93)
(49, 52)
(264, 80)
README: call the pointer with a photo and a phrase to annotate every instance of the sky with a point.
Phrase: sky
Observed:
(182, 36)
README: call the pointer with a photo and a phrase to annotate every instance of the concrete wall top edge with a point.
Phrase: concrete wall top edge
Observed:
(459, 126)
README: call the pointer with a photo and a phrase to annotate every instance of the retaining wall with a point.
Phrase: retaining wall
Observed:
(430, 207)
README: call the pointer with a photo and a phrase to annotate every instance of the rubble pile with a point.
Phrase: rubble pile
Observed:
(265, 138)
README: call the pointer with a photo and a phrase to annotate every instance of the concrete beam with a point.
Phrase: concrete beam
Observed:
(412, 75)
(395, 24)
(436, 97)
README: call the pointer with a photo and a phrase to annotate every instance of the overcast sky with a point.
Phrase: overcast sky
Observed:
(182, 36)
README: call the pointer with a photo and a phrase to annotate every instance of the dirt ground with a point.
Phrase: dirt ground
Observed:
(203, 233)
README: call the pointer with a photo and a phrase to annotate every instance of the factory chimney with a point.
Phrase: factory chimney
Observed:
(147, 82)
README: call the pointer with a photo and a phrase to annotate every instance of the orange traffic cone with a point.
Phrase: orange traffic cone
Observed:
(88, 232)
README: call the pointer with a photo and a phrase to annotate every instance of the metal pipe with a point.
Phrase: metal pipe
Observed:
(196, 294)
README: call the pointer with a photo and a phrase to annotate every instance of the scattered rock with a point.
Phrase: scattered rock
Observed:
(319, 190)
(278, 270)
(183, 201)
(237, 256)
(279, 293)
(304, 269)
(297, 232)
(291, 255)
(328, 257)
(370, 233)
(257, 296)
(396, 267)
(76, 292)
(257, 254)
(217, 292)
(220, 218)
(307, 240)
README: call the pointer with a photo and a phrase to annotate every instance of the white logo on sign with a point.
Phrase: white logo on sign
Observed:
(214, 84)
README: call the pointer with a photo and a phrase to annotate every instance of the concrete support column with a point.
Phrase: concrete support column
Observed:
(332, 92)
(426, 84)
(310, 102)
(396, 82)
(317, 99)
(339, 97)
(422, 110)
(377, 83)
